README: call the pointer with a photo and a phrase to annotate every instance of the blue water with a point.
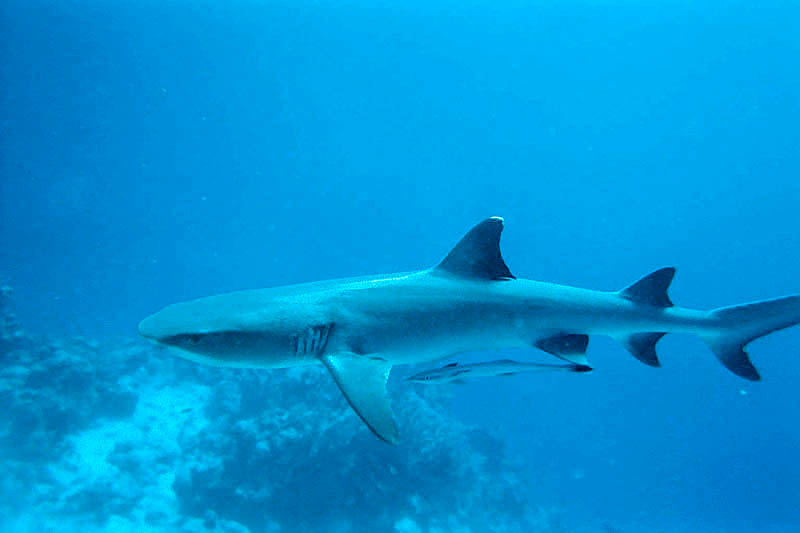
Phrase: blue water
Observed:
(154, 152)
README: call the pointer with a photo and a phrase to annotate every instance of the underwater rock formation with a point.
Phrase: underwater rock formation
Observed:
(10, 330)
(282, 447)
(121, 435)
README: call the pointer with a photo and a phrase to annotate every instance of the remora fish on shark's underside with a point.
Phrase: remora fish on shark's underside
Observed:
(455, 372)
(360, 327)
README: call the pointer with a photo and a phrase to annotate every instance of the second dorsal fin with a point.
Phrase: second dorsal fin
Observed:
(651, 289)
(477, 254)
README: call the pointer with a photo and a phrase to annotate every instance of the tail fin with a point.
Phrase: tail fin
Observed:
(741, 324)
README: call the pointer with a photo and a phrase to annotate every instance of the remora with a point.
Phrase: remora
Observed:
(456, 372)
(360, 327)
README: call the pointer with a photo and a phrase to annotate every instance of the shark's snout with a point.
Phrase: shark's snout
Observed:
(148, 328)
(171, 321)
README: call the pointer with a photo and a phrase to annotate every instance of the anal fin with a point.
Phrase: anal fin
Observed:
(643, 347)
(568, 346)
(362, 380)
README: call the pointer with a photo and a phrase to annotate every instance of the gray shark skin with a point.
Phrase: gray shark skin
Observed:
(456, 372)
(360, 327)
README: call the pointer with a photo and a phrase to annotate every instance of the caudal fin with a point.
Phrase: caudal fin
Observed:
(741, 324)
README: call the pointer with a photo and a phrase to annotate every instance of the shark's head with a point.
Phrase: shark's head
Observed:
(226, 330)
(173, 326)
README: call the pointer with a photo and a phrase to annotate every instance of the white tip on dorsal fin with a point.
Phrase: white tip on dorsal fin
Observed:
(477, 254)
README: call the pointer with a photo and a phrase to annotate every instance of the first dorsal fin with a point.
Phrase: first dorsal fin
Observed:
(477, 254)
(651, 289)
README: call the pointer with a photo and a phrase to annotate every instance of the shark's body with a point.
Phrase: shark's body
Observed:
(360, 327)
(457, 373)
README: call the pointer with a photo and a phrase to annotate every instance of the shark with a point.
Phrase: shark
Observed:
(457, 372)
(359, 328)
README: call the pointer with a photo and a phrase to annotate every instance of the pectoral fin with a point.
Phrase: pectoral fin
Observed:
(362, 380)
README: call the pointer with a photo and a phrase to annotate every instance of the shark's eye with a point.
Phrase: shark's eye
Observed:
(194, 338)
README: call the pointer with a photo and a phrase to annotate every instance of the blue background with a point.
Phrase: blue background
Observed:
(158, 151)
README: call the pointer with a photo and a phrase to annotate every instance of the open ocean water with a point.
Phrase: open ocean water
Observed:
(157, 151)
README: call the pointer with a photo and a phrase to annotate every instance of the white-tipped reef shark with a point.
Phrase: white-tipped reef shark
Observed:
(358, 328)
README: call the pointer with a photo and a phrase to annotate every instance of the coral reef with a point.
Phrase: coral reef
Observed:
(10, 330)
(123, 436)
